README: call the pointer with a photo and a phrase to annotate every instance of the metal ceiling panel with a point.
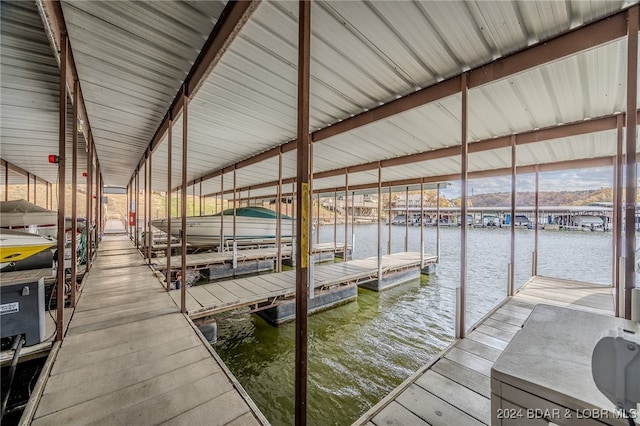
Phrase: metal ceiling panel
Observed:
(132, 58)
(439, 167)
(488, 160)
(583, 12)
(360, 70)
(569, 90)
(593, 145)
(29, 91)
(543, 20)
(30, 97)
(368, 53)
(248, 104)
(32, 155)
(15, 179)
(355, 179)
(432, 126)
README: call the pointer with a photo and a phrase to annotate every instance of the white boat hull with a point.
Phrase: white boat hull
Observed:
(204, 231)
(16, 246)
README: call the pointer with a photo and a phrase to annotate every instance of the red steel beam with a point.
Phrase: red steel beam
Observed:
(74, 198)
(631, 182)
(512, 224)
(6, 182)
(62, 163)
(169, 215)
(461, 300)
(89, 207)
(617, 214)
(183, 206)
(302, 211)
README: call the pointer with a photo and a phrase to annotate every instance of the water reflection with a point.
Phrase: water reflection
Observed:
(360, 351)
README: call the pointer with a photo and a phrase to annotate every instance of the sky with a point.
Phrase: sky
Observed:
(570, 180)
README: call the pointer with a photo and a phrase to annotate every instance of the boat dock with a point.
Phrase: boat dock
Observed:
(269, 290)
(128, 346)
(35, 274)
(215, 265)
(455, 387)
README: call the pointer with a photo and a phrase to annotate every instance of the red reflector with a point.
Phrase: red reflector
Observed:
(53, 159)
(84, 174)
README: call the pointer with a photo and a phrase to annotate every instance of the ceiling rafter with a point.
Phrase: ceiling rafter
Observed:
(21, 171)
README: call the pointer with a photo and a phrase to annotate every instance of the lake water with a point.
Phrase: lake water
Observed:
(359, 352)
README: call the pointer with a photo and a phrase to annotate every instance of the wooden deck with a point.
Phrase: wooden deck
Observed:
(130, 357)
(204, 260)
(36, 274)
(203, 300)
(454, 388)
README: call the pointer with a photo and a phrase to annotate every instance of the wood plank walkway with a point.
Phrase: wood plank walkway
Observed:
(206, 259)
(203, 300)
(454, 388)
(130, 356)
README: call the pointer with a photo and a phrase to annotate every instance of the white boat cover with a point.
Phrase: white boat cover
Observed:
(21, 213)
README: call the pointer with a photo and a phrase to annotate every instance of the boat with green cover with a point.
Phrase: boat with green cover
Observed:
(254, 225)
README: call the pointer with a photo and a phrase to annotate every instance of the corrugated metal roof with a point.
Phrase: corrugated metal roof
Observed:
(594, 145)
(365, 54)
(30, 95)
(133, 56)
(29, 89)
(422, 129)
(572, 89)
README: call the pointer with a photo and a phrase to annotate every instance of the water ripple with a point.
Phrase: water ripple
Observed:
(360, 351)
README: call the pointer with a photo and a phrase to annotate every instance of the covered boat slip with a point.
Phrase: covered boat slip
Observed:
(207, 299)
(206, 259)
(455, 387)
(128, 346)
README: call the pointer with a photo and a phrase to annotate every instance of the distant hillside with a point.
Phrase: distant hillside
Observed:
(547, 198)
(117, 204)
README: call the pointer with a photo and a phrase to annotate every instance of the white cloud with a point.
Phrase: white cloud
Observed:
(570, 180)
